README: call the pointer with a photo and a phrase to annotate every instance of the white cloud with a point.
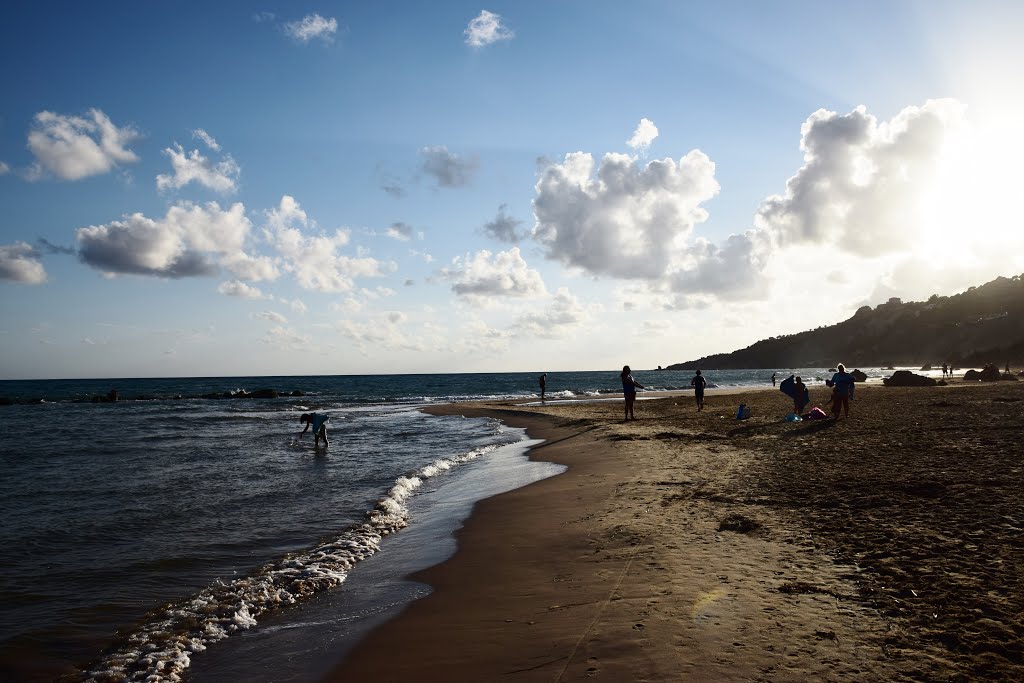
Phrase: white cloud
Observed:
(19, 262)
(201, 134)
(485, 274)
(188, 241)
(862, 182)
(272, 316)
(557, 320)
(4, 168)
(286, 338)
(733, 271)
(643, 136)
(384, 331)
(485, 29)
(629, 221)
(73, 147)
(220, 176)
(241, 290)
(504, 228)
(400, 231)
(310, 27)
(313, 259)
(446, 168)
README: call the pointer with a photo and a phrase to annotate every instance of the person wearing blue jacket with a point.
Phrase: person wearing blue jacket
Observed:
(842, 384)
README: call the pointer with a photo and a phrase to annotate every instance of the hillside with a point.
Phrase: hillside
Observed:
(982, 325)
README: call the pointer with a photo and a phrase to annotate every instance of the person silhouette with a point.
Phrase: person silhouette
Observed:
(698, 383)
(543, 385)
(629, 387)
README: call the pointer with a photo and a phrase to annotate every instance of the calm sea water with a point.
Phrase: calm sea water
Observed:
(149, 538)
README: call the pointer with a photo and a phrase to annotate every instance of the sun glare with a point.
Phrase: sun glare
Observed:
(972, 206)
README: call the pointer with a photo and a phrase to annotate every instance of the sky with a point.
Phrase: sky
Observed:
(292, 188)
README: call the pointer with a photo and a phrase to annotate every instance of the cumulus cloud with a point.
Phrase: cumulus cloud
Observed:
(186, 242)
(447, 169)
(241, 290)
(629, 221)
(484, 274)
(732, 271)
(75, 147)
(486, 28)
(643, 136)
(311, 27)
(862, 182)
(557, 320)
(19, 262)
(4, 168)
(313, 259)
(400, 231)
(220, 176)
(504, 228)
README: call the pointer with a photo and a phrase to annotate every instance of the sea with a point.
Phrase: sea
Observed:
(185, 531)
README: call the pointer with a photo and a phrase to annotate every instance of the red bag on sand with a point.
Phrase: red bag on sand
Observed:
(815, 413)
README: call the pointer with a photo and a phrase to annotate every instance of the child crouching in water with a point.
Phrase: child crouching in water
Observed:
(319, 424)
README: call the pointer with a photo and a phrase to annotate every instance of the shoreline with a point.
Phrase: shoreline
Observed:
(690, 544)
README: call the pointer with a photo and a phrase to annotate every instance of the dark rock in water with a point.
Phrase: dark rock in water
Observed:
(264, 393)
(990, 373)
(905, 378)
(859, 376)
(926, 366)
(297, 393)
(4, 401)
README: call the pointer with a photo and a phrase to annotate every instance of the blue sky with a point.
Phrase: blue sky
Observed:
(333, 188)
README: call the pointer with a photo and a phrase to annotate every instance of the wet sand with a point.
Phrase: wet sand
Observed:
(692, 546)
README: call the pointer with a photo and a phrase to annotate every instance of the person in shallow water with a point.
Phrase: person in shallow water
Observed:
(629, 386)
(319, 423)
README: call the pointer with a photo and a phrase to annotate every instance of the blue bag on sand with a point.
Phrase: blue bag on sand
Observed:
(744, 412)
(793, 417)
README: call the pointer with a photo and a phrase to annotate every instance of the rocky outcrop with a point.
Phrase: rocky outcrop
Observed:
(988, 374)
(859, 376)
(905, 378)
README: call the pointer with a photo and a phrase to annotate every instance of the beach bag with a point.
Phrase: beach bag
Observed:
(743, 412)
(816, 413)
(793, 417)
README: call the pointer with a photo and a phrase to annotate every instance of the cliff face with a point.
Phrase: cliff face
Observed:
(982, 325)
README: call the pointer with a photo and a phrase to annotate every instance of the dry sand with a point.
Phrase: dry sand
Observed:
(692, 546)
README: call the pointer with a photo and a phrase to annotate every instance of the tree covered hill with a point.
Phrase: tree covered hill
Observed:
(982, 325)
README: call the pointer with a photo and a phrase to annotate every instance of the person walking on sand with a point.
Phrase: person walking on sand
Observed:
(543, 385)
(319, 423)
(698, 383)
(842, 384)
(629, 387)
(773, 379)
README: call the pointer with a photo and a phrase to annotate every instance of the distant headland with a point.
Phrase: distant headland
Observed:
(981, 326)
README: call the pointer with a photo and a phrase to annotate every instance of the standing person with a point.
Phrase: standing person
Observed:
(629, 386)
(945, 368)
(801, 397)
(319, 423)
(698, 383)
(543, 385)
(842, 384)
(773, 379)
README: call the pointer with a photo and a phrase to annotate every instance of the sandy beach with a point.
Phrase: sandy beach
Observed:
(693, 546)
